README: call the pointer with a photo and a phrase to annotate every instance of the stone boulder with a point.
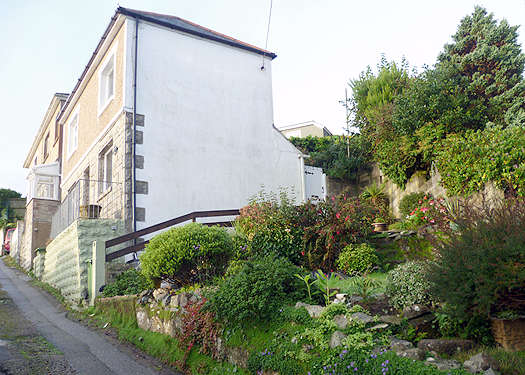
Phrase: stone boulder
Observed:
(336, 339)
(390, 319)
(361, 317)
(414, 311)
(413, 353)
(341, 321)
(398, 345)
(443, 364)
(446, 346)
(313, 310)
(479, 363)
(159, 294)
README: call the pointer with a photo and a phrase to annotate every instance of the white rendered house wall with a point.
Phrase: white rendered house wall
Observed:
(208, 139)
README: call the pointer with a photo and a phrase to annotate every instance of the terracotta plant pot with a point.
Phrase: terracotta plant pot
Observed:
(380, 227)
(509, 333)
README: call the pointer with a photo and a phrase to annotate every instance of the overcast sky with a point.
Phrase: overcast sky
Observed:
(320, 45)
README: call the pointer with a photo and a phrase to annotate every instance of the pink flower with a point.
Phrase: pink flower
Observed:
(338, 215)
(424, 209)
(432, 221)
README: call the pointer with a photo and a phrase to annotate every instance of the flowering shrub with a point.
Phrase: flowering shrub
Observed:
(357, 259)
(385, 362)
(198, 327)
(428, 211)
(340, 221)
(269, 229)
(409, 202)
(407, 285)
(310, 234)
(187, 254)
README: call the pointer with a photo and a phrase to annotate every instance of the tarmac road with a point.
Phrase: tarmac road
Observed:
(30, 321)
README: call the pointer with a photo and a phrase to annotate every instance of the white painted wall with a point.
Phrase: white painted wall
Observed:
(209, 142)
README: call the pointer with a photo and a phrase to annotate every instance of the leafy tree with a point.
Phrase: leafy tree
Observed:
(340, 157)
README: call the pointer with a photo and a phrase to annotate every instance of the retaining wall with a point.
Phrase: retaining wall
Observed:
(65, 264)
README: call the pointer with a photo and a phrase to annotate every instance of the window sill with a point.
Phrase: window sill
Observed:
(104, 106)
(103, 194)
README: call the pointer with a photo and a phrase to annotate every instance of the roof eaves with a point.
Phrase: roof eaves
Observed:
(219, 38)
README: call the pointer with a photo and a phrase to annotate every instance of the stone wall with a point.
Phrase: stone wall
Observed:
(65, 265)
(419, 182)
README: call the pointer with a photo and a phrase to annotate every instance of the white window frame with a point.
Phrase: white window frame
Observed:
(109, 65)
(71, 148)
(105, 175)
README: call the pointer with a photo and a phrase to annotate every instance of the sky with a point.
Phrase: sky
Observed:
(320, 46)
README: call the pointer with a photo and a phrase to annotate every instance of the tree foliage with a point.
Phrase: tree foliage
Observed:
(477, 82)
(340, 157)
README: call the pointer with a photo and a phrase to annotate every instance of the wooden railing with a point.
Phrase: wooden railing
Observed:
(193, 216)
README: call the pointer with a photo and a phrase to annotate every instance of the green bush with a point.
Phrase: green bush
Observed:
(257, 291)
(407, 285)
(357, 259)
(409, 202)
(187, 254)
(128, 282)
(480, 269)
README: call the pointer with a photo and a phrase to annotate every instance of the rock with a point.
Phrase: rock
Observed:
(378, 326)
(412, 353)
(313, 310)
(352, 300)
(424, 323)
(340, 298)
(491, 371)
(166, 300)
(295, 340)
(159, 294)
(479, 363)
(179, 301)
(446, 346)
(336, 339)
(361, 317)
(398, 345)
(341, 321)
(414, 311)
(443, 364)
(143, 320)
(165, 284)
(390, 319)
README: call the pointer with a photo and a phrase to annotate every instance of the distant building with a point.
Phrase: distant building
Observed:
(304, 129)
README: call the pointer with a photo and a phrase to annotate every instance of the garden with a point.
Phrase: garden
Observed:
(311, 288)
(315, 288)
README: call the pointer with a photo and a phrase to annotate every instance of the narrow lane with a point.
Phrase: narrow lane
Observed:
(86, 351)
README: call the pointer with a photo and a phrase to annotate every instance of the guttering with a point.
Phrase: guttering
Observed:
(133, 135)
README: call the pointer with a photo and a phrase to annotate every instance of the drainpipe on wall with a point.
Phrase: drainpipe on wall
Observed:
(133, 135)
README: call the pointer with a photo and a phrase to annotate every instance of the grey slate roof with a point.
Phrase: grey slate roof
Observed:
(189, 27)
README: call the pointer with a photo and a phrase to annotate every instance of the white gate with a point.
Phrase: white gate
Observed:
(314, 183)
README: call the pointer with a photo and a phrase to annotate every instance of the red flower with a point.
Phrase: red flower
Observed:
(338, 215)
(302, 253)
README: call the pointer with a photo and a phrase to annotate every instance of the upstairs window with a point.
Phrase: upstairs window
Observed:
(46, 146)
(72, 136)
(105, 168)
(106, 90)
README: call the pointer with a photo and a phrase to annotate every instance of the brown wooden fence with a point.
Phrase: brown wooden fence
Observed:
(193, 216)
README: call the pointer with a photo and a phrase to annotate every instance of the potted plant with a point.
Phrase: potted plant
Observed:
(380, 224)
